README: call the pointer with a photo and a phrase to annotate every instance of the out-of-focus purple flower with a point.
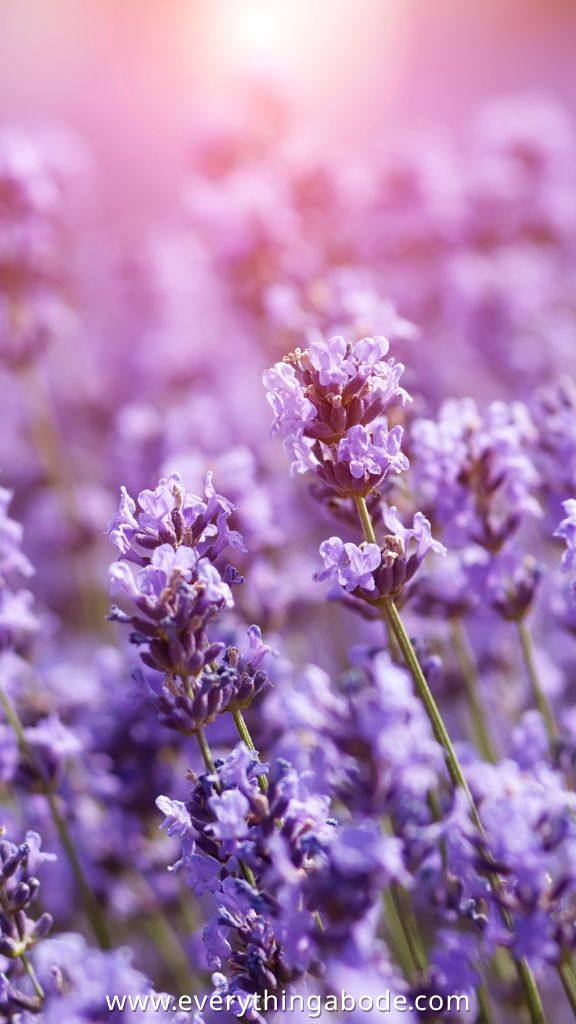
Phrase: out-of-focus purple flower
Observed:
(12, 559)
(76, 979)
(18, 622)
(567, 530)
(474, 471)
(507, 581)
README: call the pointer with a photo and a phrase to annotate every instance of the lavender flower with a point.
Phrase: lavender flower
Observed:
(178, 594)
(18, 932)
(473, 471)
(350, 565)
(375, 572)
(567, 530)
(328, 404)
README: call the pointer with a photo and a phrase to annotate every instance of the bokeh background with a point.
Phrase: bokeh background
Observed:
(188, 190)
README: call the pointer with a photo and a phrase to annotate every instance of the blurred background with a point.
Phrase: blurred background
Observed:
(189, 189)
(136, 76)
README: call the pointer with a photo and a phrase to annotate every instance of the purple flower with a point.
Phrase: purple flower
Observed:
(288, 401)
(230, 809)
(12, 560)
(567, 530)
(474, 472)
(420, 533)
(351, 565)
(169, 515)
(177, 819)
(360, 851)
(321, 397)
(373, 454)
(331, 360)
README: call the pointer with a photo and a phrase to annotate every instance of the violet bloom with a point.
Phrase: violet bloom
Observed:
(374, 572)
(18, 622)
(175, 595)
(171, 515)
(76, 978)
(19, 932)
(261, 936)
(507, 581)
(474, 472)
(567, 530)
(329, 404)
(350, 565)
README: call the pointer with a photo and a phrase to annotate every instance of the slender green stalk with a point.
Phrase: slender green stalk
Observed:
(405, 930)
(405, 953)
(404, 925)
(206, 752)
(568, 980)
(480, 729)
(424, 692)
(32, 975)
(484, 1005)
(90, 903)
(167, 943)
(244, 734)
(390, 611)
(366, 521)
(542, 702)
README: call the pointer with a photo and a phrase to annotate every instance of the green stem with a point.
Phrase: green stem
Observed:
(244, 734)
(424, 692)
(530, 988)
(569, 984)
(169, 948)
(32, 975)
(485, 1016)
(531, 993)
(404, 925)
(91, 906)
(480, 729)
(206, 753)
(540, 697)
(398, 938)
(366, 521)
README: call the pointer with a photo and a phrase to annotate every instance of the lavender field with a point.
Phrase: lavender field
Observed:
(288, 567)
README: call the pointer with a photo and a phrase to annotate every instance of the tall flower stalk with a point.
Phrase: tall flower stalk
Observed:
(329, 405)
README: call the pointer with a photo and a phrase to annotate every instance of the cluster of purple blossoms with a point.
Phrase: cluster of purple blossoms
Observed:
(34, 176)
(473, 470)
(477, 478)
(174, 539)
(375, 571)
(329, 402)
(18, 932)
